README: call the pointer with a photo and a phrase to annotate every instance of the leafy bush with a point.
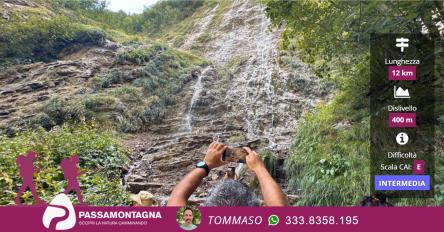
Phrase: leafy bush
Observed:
(86, 5)
(100, 157)
(157, 18)
(139, 54)
(329, 165)
(39, 39)
(272, 163)
(237, 137)
(61, 110)
(98, 102)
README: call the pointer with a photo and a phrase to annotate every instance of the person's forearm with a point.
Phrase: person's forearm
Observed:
(186, 187)
(272, 193)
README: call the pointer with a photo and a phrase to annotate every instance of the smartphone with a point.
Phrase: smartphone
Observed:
(234, 154)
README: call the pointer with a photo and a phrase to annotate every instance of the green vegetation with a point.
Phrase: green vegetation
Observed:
(164, 14)
(125, 100)
(176, 33)
(329, 161)
(100, 157)
(272, 163)
(233, 67)
(329, 164)
(38, 39)
(35, 34)
(237, 137)
(218, 16)
(153, 21)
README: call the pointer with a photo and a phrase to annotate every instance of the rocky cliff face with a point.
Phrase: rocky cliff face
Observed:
(243, 94)
(25, 88)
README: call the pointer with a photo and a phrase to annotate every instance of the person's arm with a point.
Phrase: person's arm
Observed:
(272, 193)
(192, 180)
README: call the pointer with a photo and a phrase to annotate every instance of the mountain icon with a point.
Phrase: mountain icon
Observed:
(400, 92)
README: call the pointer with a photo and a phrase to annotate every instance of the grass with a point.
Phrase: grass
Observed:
(224, 5)
(176, 33)
(328, 165)
(232, 67)
(39, 39)
(271, 163)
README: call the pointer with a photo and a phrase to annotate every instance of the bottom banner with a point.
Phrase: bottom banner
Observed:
(55, 217)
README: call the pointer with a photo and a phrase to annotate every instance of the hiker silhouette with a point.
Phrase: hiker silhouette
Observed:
(25, 164)
(69, 166)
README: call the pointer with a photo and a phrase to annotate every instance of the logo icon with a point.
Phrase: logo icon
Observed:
(59, 214)
(402, 43)
(400, 93)
(402, 138)
(273, 220)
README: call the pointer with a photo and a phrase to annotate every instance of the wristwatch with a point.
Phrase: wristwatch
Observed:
(204, 166)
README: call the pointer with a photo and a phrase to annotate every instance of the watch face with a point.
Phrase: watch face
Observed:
(200, 164)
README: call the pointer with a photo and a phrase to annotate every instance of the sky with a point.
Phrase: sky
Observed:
(129, 6)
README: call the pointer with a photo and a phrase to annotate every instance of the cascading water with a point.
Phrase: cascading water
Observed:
(260, 81)
(196, 94)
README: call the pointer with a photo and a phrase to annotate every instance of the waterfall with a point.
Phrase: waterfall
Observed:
(196, 94)
(260, 82)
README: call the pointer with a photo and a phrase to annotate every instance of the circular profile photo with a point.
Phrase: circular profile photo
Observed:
(188, 217)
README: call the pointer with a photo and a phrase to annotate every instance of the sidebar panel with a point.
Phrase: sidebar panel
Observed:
(402, 101)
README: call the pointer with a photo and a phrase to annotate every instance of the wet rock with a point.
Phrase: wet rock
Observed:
(135, 187)
(37, 86)
(42, 98)
(4, 112)
(135, 178)
(8, 91)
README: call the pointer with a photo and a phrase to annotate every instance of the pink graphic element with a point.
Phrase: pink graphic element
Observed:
(27, 173)
(402, 119)
(70, 173)
(418, 167)
(402, 73)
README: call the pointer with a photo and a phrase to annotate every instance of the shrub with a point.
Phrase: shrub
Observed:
(100, 157)
(39, 39)
(139, 54)
(329, 166)
(237, 137)
(61, 110)
(272, 163)
(99, 102)
(156, 19)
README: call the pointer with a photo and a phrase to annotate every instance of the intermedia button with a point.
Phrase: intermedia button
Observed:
(402, 182)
